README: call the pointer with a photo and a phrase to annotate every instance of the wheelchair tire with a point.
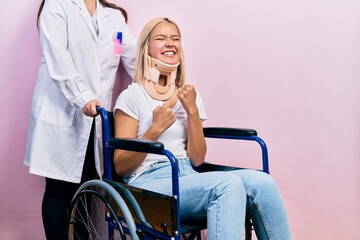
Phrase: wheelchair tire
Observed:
(93, 214)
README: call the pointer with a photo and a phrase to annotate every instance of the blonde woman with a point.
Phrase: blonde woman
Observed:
(160, 106)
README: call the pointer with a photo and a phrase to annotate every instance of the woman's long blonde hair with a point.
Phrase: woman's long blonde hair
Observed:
(143, 52)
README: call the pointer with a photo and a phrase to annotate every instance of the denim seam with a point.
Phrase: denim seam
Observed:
(218, 211)
(261, 213)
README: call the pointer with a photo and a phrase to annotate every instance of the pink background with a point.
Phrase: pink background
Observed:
(290, 69)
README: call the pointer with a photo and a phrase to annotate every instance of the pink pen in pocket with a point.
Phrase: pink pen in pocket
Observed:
(117, 44)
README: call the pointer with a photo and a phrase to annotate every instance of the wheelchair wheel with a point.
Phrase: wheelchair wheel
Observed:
(94, 214)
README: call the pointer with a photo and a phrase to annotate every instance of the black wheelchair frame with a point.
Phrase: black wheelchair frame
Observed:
(135, 213)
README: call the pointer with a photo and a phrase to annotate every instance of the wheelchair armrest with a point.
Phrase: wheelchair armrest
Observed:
(209, 167)
(136, 145)
(239, 134)
(147, 146)
(228, 132)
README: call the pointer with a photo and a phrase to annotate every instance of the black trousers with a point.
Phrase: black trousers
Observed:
(58, 195)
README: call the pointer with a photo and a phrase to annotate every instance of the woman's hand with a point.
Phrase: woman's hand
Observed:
(90, 108)
(196, 145)
(163, 118)
(126, 162)
(187, 97)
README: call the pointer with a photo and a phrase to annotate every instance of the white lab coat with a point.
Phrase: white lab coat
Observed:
(77, 65)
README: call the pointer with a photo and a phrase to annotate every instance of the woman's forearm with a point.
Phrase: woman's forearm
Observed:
(196, 146)
(126, 162)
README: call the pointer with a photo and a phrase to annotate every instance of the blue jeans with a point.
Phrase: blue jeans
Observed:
(223, 198)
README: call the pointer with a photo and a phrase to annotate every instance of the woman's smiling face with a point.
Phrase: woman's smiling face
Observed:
(165, 43)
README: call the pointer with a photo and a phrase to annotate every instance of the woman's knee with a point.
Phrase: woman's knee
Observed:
(258, 184)
(255, 178)
(227, 183)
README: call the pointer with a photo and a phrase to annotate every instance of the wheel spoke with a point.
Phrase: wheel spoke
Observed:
(88, 221)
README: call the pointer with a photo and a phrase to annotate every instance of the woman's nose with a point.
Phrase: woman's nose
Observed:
(169, 42)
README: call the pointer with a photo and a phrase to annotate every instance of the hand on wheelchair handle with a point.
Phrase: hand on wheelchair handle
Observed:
(90, 108)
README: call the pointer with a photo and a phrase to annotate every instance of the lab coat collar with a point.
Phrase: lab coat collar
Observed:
(100, 11)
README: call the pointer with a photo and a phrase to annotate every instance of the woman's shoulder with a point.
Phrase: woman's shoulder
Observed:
(131, 96)
(61, 7)
(114, 13)
(135, 87)
(55, 4)
(133, 90)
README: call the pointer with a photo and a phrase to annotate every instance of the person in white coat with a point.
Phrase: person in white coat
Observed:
(83, 42)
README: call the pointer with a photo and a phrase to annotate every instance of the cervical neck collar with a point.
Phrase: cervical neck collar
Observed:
(155, 69)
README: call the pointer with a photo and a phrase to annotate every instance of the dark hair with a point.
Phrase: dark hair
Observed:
(103, 2)
(39, 12)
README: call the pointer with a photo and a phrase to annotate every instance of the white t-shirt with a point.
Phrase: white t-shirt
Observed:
(137, 103)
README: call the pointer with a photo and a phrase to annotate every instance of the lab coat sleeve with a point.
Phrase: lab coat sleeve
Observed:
(128, 50)
(54, 39)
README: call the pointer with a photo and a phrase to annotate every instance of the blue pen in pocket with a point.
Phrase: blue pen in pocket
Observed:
(119, 36)
(117, 44)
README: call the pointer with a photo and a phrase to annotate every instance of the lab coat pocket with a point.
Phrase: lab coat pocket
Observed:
(114, 60)
(56, 110)
(116, 53)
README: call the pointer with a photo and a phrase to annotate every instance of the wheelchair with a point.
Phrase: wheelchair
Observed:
(110, 209)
